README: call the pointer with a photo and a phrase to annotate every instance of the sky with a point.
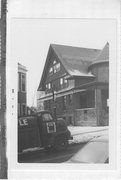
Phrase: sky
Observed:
(34, 25)
(30, 40)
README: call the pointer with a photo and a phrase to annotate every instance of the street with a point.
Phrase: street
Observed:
(42, 156)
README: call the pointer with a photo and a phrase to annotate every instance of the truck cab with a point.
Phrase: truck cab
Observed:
(42, 130)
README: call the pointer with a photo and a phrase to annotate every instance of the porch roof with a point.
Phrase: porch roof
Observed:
(61, 93)
(92, 84)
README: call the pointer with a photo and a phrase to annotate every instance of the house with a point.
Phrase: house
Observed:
(75, 84)
(22, 94)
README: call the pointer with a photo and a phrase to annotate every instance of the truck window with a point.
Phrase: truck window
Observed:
(47, 117)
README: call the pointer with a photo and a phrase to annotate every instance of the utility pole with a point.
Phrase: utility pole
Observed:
(54, 100)
(3, 160)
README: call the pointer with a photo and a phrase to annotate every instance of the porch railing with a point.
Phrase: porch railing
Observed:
(86, 117)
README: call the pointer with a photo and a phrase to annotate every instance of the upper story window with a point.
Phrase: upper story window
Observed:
(51, 71)
(63, 82)
(23, 110)
(23, 82)
(64, 102)
(70, 98)
(48, 86)
(54, 62)
(55, 68)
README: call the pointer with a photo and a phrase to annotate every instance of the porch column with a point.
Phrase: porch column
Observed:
(98, 105)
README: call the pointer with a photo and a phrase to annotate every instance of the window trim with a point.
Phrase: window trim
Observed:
(64, 102)
(22, 74)
(21, 105)
(70, 99)
(51, 71)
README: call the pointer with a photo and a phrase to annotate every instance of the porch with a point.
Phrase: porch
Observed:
(91, 107)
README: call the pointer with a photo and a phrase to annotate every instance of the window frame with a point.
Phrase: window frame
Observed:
(70, 99)
(23, 104)
(23, 75)
(64, 102)
(51, 71)
(49, 115)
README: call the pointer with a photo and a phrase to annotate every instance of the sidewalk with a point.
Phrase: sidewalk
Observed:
(85, 134)
(75, 130)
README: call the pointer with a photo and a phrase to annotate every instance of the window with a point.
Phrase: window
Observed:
(23, 82)
(47, 117)
(48, 105)
(64, 102)
(65, 81)
(23, 110)
(61, 81)
(54, 62)
(70, 98)
(48, 86)
(57, 67)
(51, 71)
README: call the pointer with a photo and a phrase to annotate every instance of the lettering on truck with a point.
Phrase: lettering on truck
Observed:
(23, 122)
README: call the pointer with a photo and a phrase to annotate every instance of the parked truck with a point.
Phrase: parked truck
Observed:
(42, 130)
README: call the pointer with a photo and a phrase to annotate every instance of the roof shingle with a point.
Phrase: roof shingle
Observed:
(76, 60)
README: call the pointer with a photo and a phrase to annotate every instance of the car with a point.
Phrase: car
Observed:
(95, 151)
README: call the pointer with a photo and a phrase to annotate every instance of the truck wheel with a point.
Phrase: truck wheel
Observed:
(61, 143)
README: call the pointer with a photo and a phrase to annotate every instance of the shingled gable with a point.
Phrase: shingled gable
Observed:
(45, 71)
(75, 60)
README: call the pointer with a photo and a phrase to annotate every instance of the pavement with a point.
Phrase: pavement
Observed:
(84, 134)
(75, 130)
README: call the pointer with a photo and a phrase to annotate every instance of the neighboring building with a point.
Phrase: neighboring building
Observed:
(3, 161)
(22, 94)
(75, 81)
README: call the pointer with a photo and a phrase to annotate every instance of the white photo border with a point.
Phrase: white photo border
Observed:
(59, 171)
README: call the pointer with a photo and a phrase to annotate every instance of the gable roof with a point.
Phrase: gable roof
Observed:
(75, 60)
